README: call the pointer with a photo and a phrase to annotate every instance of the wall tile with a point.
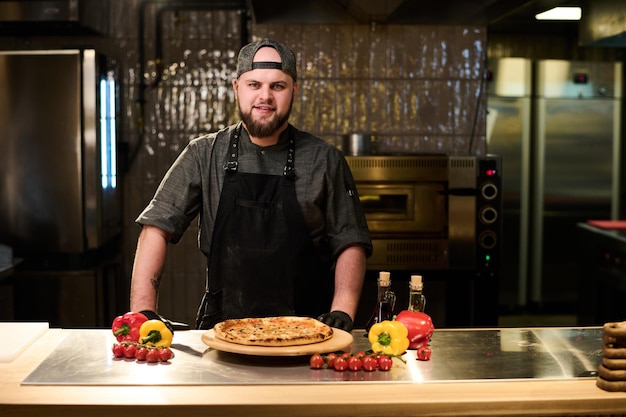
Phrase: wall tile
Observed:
(410, 113)
(360, 51)
(412, 52)
(344, 101)
(327, 106)
(361, 106)
(328, 52)
(395, 53)
(376, 109)
(470, 51)
(377, 52)
(309, 100)
(310, 54)
(345, 54)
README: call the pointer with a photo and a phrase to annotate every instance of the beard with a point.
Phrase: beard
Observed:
(265, 127)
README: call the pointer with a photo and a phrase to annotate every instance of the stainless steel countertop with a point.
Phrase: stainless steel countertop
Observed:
(84, 357)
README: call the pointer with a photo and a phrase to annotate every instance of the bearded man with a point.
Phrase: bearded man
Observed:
(280, 221)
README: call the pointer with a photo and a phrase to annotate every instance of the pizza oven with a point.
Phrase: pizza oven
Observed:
(438, 215)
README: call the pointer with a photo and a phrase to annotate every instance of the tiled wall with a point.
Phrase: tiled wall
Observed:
(416, 88)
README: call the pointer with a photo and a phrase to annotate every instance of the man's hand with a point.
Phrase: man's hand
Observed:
(171, 325)
(337, 319)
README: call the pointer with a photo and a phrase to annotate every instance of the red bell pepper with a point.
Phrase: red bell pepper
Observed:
(420, 327)
(126, 327)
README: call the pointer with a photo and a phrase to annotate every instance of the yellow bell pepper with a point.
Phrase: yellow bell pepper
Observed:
(155, 333)
(389, 337)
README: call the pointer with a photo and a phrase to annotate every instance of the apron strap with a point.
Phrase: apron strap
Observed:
(289, 171)
(231, 165)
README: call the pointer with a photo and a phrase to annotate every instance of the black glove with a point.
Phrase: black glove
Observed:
(337, 319)
(171, 325)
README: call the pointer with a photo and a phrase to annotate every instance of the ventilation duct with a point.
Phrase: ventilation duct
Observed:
(59, 17)
(603, 24)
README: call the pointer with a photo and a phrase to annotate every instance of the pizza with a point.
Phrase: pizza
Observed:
(273, 331)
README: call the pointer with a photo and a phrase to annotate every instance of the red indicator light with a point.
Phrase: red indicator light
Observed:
(490, 172)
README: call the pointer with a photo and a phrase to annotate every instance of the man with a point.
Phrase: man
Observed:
(278, 209)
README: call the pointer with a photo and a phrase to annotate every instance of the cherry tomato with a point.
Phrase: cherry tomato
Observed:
(369, 363)
(129, 350)
(118, 350)
(141, 352)
(340, 364)
(385, 363)
(165, 354)
(152, 355)
(355, 363)
(360, 354)
(317, 361)
(424, 353)
(330, 359)
(346, 355)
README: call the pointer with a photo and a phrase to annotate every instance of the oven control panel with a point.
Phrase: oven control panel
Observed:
(488, 237)
(489, 210)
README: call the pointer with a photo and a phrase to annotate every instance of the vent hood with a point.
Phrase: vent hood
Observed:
(603, 24)
(58, 17)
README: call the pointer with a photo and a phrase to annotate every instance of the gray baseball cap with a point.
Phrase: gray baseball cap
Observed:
(246, 56)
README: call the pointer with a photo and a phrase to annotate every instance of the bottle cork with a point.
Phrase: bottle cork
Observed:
(416, 282)
(384, 278)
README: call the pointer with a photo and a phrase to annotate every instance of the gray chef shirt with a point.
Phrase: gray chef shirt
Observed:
(324, 188)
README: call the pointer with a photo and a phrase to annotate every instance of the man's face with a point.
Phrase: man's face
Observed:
(265, 97)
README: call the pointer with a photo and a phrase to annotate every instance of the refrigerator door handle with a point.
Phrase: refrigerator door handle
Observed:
(536, 238)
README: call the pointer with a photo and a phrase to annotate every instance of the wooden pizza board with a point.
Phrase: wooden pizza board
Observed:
(340, 341)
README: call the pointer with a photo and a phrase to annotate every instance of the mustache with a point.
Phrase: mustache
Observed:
(264, 128)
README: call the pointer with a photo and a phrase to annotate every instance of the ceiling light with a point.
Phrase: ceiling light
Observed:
(561, 13)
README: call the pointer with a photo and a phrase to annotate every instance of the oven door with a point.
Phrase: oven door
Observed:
(405, 208)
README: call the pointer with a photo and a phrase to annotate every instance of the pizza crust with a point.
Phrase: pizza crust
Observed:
(273, 331)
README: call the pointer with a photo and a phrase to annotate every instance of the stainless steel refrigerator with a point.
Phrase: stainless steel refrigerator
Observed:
(576, 141)
(60, 199)
(559, 141)
(59, 191)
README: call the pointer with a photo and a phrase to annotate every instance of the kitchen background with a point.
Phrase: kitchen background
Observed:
(417, 84)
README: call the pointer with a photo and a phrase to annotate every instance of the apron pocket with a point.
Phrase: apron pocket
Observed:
(259, 216)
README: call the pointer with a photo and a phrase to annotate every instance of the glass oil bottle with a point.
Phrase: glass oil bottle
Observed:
(417, 300)
(385, 303)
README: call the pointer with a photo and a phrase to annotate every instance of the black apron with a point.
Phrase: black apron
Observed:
(262, 261)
